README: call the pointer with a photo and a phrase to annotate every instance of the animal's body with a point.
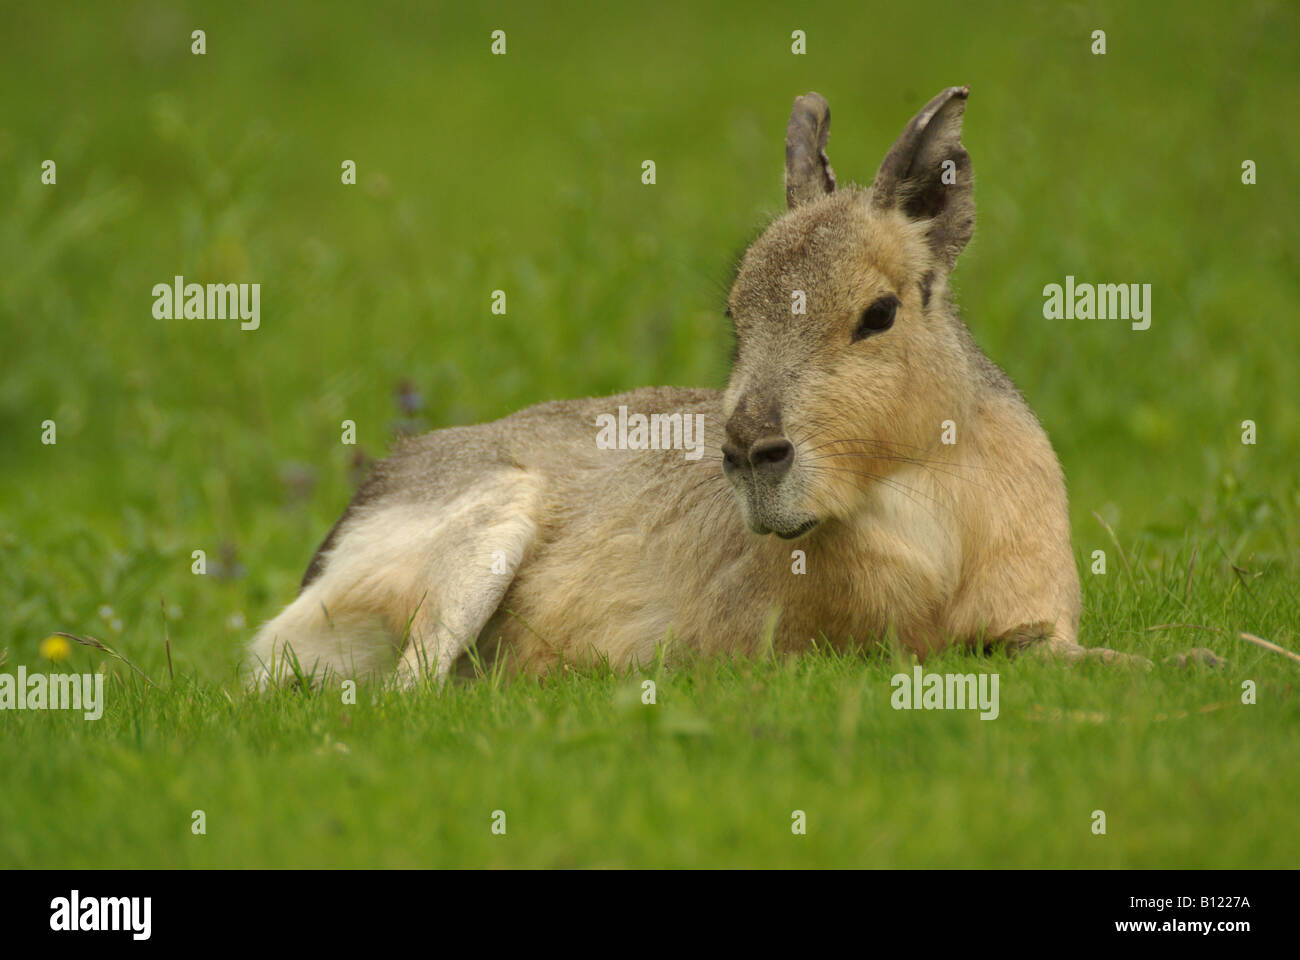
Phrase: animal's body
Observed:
(867, 432)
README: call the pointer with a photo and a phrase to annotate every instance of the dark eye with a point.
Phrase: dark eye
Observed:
(877, 317)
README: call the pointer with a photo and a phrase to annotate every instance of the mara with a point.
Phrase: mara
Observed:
(532, 542)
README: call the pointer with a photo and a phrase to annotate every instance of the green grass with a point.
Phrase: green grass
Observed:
(588, 775)
(522, 173)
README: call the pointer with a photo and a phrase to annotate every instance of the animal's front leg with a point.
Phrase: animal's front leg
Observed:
(1037, 639)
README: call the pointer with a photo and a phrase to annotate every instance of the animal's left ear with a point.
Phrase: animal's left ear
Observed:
(808, 173)
(927, 175)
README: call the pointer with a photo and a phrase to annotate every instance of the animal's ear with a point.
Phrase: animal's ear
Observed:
(808, 173)
(927, 175)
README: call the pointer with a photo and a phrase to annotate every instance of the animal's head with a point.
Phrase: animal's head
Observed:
(849, 356)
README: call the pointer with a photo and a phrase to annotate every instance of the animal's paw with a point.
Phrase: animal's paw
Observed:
(1064, 651)
(1202, 655)
(1106, 655)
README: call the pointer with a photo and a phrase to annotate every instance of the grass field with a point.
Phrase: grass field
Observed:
(523, 173)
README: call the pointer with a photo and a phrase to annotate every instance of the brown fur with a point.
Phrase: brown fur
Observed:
(830, 441)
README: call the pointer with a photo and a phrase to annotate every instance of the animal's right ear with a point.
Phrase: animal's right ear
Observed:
(927, 175)
(808, 173)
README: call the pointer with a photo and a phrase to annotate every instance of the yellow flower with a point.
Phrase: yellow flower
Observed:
(55, 648)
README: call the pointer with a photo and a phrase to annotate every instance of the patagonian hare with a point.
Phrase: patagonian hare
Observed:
(867, 473)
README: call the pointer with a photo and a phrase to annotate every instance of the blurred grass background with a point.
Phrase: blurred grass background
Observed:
(522, 173)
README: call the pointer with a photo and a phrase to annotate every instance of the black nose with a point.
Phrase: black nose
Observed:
(770, 457)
